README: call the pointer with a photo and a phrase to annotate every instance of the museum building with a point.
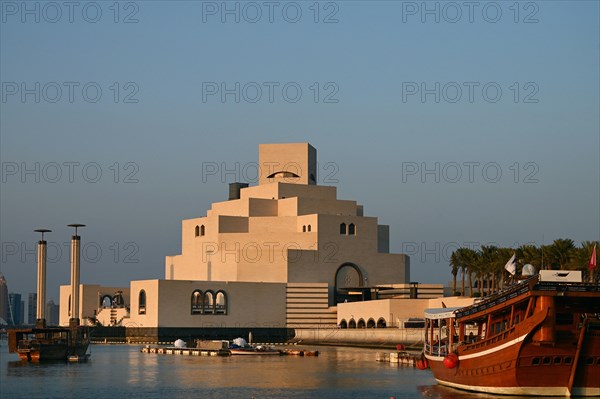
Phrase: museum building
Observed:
(274, 257)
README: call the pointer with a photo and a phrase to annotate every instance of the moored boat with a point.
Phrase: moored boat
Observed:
(538, 337)
(49, 343)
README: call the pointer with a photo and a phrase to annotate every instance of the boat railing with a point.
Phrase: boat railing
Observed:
(491, 340)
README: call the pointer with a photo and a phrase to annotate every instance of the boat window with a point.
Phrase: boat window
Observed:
(535, 361)
(142, 302)
(196, 305)
(546, 360)
(221, 302)
(589, 361)
(568, 360)
(557, 360)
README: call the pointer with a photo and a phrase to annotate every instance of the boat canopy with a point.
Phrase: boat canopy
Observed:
(441, 313)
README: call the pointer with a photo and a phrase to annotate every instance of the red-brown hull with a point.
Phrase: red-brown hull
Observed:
(524, 369)
(537, 338)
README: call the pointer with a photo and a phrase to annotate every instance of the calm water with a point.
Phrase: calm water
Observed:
(122, 371)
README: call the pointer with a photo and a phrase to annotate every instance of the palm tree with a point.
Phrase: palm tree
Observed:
(463, 259)
(530, 254)
(560, 252)
(455, 265)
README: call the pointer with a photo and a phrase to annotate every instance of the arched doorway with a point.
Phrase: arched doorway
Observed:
(348, 275)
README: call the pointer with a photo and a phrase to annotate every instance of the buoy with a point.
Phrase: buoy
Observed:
(400, 347)
(451, 360)
(422, 363)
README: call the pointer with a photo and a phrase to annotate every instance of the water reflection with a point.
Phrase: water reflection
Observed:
(123, 371)
(442, 392)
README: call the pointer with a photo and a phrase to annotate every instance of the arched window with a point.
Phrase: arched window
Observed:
(361, 323)
(209, 302)
(106, 301)
(69, 305)
(197, 231)
(343, 324)
(308, 228)
(221, 303)
(142, 302)
(351, 229)
(196, 307)
(343, 228)
(381, 323)
(352, 324)
(371, 323)
(202, 230)
(304, 229)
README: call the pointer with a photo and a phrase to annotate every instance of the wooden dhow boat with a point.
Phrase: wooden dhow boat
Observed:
(539, 337)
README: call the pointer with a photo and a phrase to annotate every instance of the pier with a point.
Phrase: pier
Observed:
(401, 358)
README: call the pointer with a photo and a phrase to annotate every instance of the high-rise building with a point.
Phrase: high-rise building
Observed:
(22, 313)
(32, 308)
(4, 310)
(14, 301)
(52, 313)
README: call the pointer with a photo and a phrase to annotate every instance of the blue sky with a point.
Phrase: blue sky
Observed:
(515, 163)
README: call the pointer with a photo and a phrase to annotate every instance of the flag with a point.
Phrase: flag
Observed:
(592, 264)
(511, 265)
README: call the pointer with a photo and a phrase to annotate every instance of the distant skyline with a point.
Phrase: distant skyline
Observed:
(453, 124)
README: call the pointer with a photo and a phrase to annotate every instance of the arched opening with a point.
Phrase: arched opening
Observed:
(202, 230)
(351, 229)
(361, 323)
(221, 302)
(347, 276)
(343, 324)
(117, 300)
(371, 323)
(209, 302)
(352, 324)
(308, 228)
(343, 229)
(197, 231)
(105, 301)
(196, 305)
(304, 229)
(283, 174)
(381, 323)
(142, 302)
(69, 311)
